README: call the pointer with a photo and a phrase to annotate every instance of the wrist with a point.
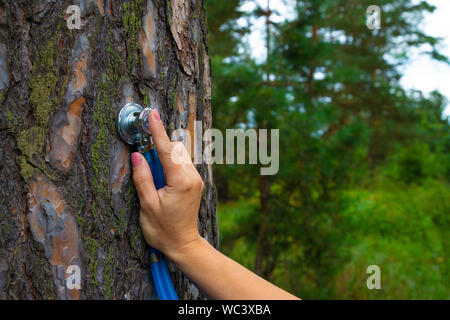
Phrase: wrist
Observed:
(188, 250)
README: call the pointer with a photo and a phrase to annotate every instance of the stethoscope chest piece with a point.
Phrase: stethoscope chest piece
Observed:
(129, 125)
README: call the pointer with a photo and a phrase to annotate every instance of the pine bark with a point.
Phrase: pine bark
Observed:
(66, 193)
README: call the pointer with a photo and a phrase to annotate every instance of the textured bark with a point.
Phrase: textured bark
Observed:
(66, 195)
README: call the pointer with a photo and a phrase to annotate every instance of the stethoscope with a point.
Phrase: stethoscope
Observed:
(134, 129)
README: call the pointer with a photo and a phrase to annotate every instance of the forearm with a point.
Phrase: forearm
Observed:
(222, 278)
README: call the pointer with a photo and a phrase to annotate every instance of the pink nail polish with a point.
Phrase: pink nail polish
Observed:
(136, 159)
(155, 114)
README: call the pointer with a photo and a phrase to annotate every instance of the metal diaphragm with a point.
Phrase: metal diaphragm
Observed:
(128, 123)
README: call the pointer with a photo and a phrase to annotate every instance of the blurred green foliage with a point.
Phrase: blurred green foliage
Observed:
(364, 173)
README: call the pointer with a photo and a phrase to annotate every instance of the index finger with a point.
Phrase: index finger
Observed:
(163, 144)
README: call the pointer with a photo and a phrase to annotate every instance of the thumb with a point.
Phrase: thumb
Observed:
(143, 180)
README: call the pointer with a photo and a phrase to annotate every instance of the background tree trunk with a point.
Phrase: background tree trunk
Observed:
(66, 195)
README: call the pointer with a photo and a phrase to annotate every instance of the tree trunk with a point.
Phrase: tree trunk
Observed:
(66, 197)
(262, 246)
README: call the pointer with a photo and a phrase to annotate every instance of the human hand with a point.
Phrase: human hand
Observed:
(168, 216)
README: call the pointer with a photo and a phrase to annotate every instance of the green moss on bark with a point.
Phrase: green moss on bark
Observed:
(92, 248)
(43, 83)
(103, 212)
(169, 12)
(108, 270)
(31, 141)
(44, 100)
(131, 20)
(26, 170)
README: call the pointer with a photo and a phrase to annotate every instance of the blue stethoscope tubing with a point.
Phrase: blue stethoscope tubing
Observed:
(160, 272)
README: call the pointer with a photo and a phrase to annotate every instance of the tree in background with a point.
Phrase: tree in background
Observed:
(331, 86)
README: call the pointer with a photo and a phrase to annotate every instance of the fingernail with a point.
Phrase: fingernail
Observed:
(155, 114)
(136, 159)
